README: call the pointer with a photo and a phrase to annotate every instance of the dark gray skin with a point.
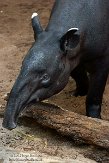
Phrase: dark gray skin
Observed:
(58, 53)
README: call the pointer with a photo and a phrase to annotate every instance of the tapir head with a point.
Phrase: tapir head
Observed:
(45, 70)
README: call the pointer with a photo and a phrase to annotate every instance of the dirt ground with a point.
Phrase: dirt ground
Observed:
(16, 37)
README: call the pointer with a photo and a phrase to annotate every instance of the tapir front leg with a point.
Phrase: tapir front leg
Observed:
(79, 74)
(97, 84)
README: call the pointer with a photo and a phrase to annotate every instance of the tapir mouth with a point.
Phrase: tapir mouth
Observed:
(9, 124)
(11, 119)
(14, 108)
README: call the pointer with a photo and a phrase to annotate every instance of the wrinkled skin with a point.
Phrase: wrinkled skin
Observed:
(59, 52)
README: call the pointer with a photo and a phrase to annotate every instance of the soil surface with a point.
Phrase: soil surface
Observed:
(28, 140)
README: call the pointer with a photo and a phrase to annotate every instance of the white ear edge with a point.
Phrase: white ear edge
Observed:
(34, 14)
(73, 29)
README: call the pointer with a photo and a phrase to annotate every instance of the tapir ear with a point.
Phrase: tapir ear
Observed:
(70, 40)
(37, 28)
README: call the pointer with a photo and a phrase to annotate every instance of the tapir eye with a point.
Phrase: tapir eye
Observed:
(45, 79)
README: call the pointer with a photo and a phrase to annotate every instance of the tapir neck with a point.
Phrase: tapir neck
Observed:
(64, 15)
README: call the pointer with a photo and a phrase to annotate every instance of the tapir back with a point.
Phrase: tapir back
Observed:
(79, 13)
(90, 16)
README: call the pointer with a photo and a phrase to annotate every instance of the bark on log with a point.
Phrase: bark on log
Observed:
(89, 130)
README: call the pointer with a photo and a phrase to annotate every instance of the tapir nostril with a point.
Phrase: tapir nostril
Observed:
(9, 125)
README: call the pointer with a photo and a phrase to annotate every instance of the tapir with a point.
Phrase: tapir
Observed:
(74, 43)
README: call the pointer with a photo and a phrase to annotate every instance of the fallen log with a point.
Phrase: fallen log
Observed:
(90, 130)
